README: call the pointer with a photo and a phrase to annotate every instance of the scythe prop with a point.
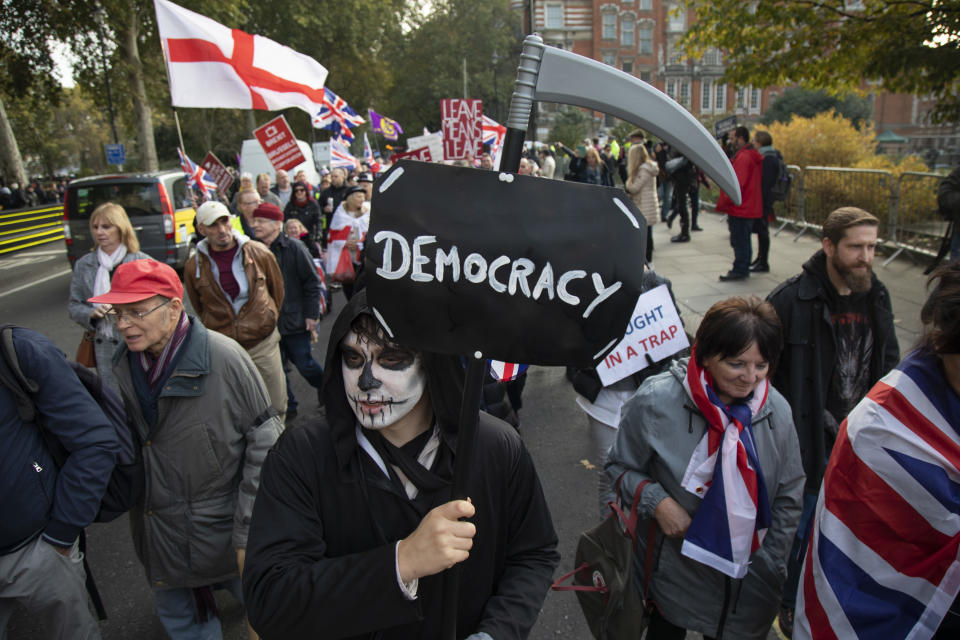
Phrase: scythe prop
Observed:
(554, 75)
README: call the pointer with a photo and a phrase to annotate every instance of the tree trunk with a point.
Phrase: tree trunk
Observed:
(141, 108)
(10, 157)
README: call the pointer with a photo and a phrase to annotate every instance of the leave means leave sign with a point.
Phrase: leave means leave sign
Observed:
(522, 269)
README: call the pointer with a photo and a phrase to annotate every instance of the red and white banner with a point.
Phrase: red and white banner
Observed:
(462, 128)
(217, 171)
(211, 65)
(279, 144)
(423, 153)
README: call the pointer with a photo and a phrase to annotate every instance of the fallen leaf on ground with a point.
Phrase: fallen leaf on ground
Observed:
(586, 464)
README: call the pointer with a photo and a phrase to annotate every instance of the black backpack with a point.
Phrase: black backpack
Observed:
(126, 482)
(780, 190)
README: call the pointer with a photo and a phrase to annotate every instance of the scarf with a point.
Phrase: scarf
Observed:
(425, 462)
(156, 370)
(101, 282)
(725, 472)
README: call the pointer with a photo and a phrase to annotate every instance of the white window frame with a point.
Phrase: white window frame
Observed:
(626, 63)
(684, 93)
(610, 59)
(670, 88)
(645, 27)
(608, 21)
(645, 5)
(628, 33)
(552, 23)
(741, 103)
(706, 95)
(756, 100)
(719, 98)
(676, 19)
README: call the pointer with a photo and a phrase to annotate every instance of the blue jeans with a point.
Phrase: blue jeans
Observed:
(296, 348)
(177, 610)
(665, 193)
(740, 229)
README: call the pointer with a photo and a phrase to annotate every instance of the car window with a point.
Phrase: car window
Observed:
(181, 199)
(137, 198)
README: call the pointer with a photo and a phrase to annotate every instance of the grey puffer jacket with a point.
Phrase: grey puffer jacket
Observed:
(81, 288)
(201, 460)
(659, 429)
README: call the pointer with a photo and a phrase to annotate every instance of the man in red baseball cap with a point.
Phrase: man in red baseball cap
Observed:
(203, 412)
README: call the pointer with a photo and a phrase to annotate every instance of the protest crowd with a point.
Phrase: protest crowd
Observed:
(763, 468)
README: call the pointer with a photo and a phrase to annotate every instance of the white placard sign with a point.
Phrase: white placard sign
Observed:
(432, 140)
(655, 330)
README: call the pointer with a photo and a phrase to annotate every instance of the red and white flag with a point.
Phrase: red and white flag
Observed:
(211, 65)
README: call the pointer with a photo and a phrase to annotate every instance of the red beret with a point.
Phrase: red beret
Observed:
(270, 211)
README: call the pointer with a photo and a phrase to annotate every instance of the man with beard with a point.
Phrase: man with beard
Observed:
(354, 524)
(839, 335)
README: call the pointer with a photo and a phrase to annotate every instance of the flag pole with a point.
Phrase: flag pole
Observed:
(166, 71)
(176, 120)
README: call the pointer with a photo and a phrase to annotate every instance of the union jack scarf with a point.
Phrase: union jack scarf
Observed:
(884, 556)
(155, 370)
(725, 472)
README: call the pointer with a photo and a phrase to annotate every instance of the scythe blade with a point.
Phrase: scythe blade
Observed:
(568, 78)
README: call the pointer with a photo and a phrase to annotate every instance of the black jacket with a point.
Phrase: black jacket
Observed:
(948, 196)
(309, 215)
(321, 553)
(301, 285)
(35, 496)
(806, 364)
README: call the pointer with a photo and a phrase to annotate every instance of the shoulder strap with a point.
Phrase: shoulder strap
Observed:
(12, 376)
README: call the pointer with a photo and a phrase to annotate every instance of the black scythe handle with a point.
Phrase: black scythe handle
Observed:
(521, 102)
(466, 437)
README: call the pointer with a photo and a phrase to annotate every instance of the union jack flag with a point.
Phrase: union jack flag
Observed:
(493, 133)
(883, 557)
(197, 176)
(368, 156)
(340, 155)
(506, 371)
(336, 115)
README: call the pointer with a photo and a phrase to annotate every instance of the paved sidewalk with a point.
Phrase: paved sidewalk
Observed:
(694, 268)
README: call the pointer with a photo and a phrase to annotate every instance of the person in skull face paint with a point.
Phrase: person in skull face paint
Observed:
(354, 512)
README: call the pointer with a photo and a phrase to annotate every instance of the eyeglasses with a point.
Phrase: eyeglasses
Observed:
(129, 316)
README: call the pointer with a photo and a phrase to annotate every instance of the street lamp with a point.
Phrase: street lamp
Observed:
(98, 16)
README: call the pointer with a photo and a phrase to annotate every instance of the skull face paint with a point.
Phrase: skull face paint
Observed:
(383, 382)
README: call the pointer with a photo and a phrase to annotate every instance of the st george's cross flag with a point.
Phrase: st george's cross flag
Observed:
(884, 556)
(211, 65)
(197, 176)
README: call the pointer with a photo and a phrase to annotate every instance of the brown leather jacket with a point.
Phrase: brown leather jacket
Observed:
(257, 318)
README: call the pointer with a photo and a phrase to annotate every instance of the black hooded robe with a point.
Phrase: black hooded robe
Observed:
(320, 560)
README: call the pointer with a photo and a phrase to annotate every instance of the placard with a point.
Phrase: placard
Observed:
(433, 141)
(422, 154)
(521, 269)
(279, 144)
(654, 330)
(462, 127)
(217, 171)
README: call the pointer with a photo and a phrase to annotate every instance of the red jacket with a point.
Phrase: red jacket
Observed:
(748, 165)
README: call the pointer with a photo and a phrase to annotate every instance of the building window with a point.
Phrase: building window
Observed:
(674, 54)
(609, 26)
(645, 5)
(705, 86)
(755, 100)
(720, 98)
(684, 93)
(741, 98)
(554, 16)
(646, 39)
(610, 59)
(646, 76)
(671, 88)
(711, 57)
(626, 32)
(676, 19)
(627, 66)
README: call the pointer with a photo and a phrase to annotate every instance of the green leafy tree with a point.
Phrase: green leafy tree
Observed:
(570, 126)
(808, 103)
(909, 46)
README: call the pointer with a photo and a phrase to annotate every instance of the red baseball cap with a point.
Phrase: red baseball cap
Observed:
(141, 279)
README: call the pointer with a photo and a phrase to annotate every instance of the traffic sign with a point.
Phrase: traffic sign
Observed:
(116, 154)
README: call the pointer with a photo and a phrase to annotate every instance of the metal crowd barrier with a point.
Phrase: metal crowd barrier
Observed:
(918, 226)
(26, 228)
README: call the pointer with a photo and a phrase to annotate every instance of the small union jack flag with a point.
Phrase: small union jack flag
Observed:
(336, 115)
(506, 371)
(340, 155)
(197, 176)
(368, 156)
(493, 134)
